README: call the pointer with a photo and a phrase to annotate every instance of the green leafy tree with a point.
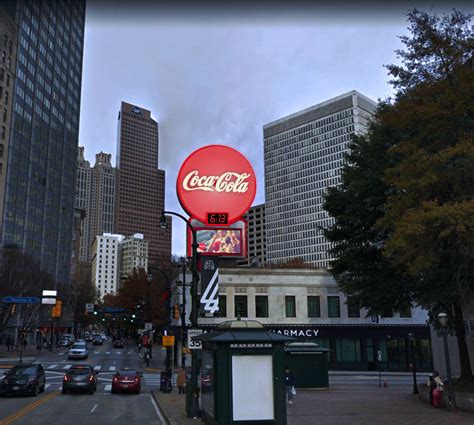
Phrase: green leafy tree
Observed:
(404, 213)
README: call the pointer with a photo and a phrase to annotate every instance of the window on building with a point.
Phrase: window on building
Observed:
(261, 306)
(314, 309)
(334, 308)
(290, 306)
(240, 304)
(353, 308)
(222, 306)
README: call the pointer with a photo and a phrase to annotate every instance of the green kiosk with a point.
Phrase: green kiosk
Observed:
(242, 375)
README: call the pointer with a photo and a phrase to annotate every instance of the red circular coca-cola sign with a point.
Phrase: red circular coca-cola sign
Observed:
(216, 185)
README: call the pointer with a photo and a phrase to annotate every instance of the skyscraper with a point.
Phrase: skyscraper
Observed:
(140, 185)
(303, 157)
(39, 200)
(95, 194)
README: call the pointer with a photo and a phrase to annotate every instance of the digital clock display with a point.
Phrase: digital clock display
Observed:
(217, 218)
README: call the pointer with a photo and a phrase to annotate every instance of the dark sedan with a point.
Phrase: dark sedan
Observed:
(28, 379)
(80, 378)
(118, 343)
(128, 381)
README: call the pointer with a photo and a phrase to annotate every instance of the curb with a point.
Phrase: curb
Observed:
(168, 421)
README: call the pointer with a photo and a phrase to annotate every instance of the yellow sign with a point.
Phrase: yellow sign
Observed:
(168, 341)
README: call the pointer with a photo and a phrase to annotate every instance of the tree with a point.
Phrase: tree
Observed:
(429, 215)
(404, 212)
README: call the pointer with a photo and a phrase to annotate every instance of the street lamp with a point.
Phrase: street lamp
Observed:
(183, 315)
(443, 321)
(411, 338)
(192, 407)
(149, 278)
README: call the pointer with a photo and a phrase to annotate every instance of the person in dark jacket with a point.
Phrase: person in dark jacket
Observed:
(289, 385)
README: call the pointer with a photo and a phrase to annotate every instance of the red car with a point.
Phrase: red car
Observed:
(127, 381)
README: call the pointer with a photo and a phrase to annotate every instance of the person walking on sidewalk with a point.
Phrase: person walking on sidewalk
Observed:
(289, 385)
(181, 381)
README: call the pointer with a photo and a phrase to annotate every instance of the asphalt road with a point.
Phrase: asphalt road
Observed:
(74, 409)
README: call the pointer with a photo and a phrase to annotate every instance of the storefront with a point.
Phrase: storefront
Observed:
(356, 347)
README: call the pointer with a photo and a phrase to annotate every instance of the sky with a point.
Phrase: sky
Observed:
(216, 74)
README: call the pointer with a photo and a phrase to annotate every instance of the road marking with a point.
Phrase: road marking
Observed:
(96, 352)
(97, 367)
(118, 352)
(157, 410)
(112, 368)
(22, 412)
(95, 407)
(68, 366)
(62, 354)
(129, 352)
(108, 387)
(53, 366)
(47, 386)
(107, 352)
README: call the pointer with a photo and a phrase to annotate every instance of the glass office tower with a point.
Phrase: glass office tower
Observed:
(39, 201)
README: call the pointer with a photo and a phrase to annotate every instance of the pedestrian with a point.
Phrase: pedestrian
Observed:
(10, 343)
(181, 381)
(39, 347)
(289, 385)
(431, 386)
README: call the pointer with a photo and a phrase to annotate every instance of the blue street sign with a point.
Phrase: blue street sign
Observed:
(21, 300)
(113, 309)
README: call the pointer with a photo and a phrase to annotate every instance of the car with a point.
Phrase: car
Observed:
(78, 351)
(97, 340)
(24, 378)
(104, 337)
(64, 342)
(129, 381)
(118, 343)
(81, 377)
(69, 337)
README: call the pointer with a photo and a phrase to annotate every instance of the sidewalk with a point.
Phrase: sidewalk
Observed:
(173, 409)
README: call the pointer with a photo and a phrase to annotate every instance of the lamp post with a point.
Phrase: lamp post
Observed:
(183, 316)
(411, 338)
(192, 406)
(149, 278)
(443, 321)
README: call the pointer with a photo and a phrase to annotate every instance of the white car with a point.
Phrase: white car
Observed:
(78, 351)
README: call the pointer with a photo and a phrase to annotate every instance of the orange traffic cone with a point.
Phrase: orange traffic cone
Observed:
(385, 385)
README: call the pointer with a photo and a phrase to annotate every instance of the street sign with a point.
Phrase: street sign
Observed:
(168, 340)
(209, 285)
(379, 355)
(194, 345)
(148, 326)
(48, 301)
(113, 309)
(90, 308)
(47, 293)
(21, 300)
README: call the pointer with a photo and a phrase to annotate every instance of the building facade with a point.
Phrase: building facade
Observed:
(82, 202)
(307, 304)
(38, 211)
(8, 48)
(140, 185)
(106, 264)
(256, 237)
(133, 255)
(303, 155)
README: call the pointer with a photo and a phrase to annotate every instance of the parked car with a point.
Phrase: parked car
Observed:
(118, 343)
(103, 336)
(127, 381)
(25, 378)
(80, 378)
(64, 342)
(78, 351)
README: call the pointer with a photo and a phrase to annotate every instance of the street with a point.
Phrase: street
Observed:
(102, 407)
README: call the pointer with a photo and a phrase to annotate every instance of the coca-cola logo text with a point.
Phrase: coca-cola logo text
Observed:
(226, 182)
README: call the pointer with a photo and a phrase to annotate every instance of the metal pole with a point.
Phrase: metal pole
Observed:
(194, 411)
(412, 346)
(183, 318)
(451, 399)
(52, 330)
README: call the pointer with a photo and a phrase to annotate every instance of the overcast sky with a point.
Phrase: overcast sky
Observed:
(218, 75)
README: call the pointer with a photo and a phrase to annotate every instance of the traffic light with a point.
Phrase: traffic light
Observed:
(176, 312)
(13, 308)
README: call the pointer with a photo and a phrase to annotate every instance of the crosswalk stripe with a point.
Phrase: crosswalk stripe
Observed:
(118, 352)
(53, 366)
(96, 352)
(62, 354)
(112, 368)
(47, 386)
(108, 387)
(97, 367)
(68, 366)
(107, 352)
